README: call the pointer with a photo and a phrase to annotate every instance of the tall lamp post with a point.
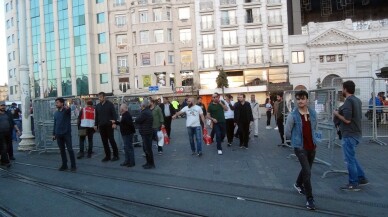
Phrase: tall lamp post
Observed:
(28, 140)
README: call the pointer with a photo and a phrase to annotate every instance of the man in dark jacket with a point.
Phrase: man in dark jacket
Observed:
(105, 113)
(243, 118)
(6, 126)
(144, 122)
(127, 129)
(168, 111)
(62, 133)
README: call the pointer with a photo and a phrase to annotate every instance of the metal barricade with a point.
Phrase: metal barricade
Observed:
(380, 91)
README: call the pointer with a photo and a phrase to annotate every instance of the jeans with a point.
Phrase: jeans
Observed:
(18, 123)
(268, 118)
(4, 140)
(219, 129)
(147, 148)
(128, 149)
(106, 133)
(306, 159)
(64, 141)
(349, 145)
(195, 131)
(89, 134)
(229, 129)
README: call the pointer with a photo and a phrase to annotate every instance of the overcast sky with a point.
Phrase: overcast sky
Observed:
(3, 47)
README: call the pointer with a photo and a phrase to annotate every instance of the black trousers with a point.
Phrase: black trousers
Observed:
(268, 118)
(280, 124)
(147, 148)
(167, 124)
(244, 134)
(4, 137)
(229, 130)
(306, 159)
(89, 134)
(10, 146)
(106, 133)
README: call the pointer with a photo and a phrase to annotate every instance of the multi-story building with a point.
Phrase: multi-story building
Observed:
(248, 40)
(3, 92)
(79, 47)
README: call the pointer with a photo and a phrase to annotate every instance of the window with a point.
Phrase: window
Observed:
(185, 35)
(104, 78)
(168, 13)
(297, 56)
(99, 1)
(229, 38)
(124, 84)
(145, 59)
(13, 38)
(101, 38)
(158, 35)
(186, 57)
(207, 22)
(208, 60)
(102, 58)
(254, 36)
(122, 61)
(340, 57)
(10, 74)
(9, 57)
(275, 36)
(13, 55)
(208, 41)
(11, 90)
(9, 42)
(135, 59)
(143, 16)
(274, 17)
(252, 15)
(169, 35)
(159, 58)
(119, 2)
(330, 58)
(7, 7)
(144, 37)
(228, 18)
(157, 14)
(121, 41)
(8, 24)
(184, 13)
(255, 56)
(121, 20)
(277, 55)
(170, 57)
(321, 59)
(230, 58)
(100, 18)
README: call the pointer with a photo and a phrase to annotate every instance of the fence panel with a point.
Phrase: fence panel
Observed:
(380, 91)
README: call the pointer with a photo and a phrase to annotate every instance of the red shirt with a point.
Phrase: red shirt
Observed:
(308, 143)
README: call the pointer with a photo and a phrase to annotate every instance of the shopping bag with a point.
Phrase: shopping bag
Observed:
(206, 138)
(166, 139)
(160, 138)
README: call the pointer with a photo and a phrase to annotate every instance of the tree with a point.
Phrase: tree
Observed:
(222, 80)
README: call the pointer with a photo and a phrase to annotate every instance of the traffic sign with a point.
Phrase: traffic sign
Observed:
(153, 88)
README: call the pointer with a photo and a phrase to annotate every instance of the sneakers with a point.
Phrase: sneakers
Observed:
(310, 204)
(229, 144)
(160, 152)
(350, 187)
(62, 168)
(300, 189)
(268, 127)
(199, 154)
(276, 128)
(219, 152)
(115, 158)
(363, 181)
(193, 153)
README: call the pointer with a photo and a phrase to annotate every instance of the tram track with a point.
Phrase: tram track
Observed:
(186, 189)
(6, 212)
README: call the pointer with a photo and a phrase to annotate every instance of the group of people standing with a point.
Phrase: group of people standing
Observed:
(8, 129)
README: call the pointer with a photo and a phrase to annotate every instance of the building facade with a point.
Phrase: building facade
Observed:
(3, 92)
(248, 40)
(337, 49)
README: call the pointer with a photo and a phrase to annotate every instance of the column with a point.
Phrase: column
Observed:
(28, 140)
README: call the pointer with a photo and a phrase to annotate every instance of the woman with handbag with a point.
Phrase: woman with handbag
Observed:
(85, 128)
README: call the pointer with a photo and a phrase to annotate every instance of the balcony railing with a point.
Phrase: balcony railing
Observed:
(253, 19)
(206, 6)
(207, 25)
(228, 21)
(254, 39)
(274, 2)
(123, 69)
(227, 2)
(229, 42)
(274, 20)
(275, 40)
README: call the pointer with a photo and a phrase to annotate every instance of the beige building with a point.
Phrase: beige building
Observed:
(3, 92)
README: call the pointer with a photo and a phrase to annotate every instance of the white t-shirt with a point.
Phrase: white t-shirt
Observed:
(230, 113)
(192, 115)
(268, 106)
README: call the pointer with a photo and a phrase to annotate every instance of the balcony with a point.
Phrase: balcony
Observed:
(227, 21)
(253, 19)
(227, 3)
(122, 69)
(278, 40)
(206, 6)
(254, 39)
(275, 20)
(274, 2)
(206, 26)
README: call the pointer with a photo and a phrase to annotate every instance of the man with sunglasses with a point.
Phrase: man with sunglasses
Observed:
(300, 128)
(215, 112)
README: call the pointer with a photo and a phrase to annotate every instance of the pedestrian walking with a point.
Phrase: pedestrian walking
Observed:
(145, 121)
(168, 111)
(256, 115)
(127, 130)
(16, 115)
(62, 133)
(7, 124)
(157, 123)
(268, 107)
(200, 104)
(215, 113)
(194, 114)
(105, 113)
(280, 117)
(229, 118)
(300, 128)
(243, 118)
(348, 117)
(86, 120)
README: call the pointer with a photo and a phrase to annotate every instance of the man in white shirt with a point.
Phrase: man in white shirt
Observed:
(193, 124)
(229, 118)
(168, 111)
(256, 115)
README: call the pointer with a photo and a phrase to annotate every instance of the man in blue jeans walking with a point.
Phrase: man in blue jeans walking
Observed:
(215, 112)
(194, 114)
(349, 117)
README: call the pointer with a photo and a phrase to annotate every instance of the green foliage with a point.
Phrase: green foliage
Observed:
(222, 80)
